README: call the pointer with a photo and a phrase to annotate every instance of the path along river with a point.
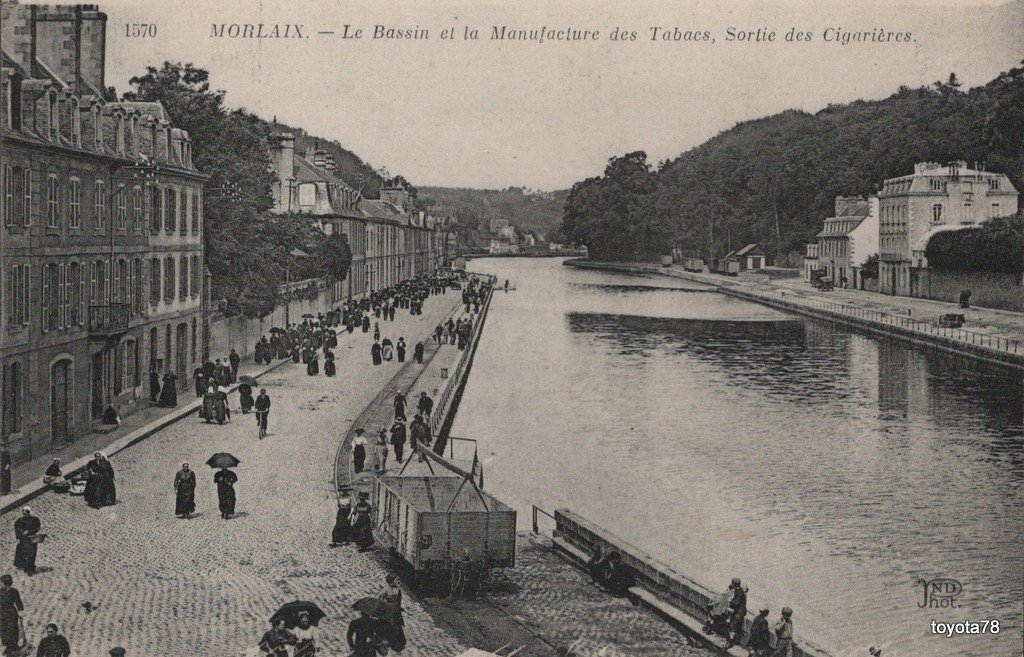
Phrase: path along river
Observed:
(831, 470)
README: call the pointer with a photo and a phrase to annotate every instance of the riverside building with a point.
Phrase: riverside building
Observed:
(933, 199)
(390, 239)
(101, 256)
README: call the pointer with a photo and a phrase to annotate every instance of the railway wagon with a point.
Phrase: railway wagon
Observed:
(435, 522)
(693, 264)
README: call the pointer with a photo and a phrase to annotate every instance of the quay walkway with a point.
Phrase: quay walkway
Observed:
(159, 585)
(989, 334)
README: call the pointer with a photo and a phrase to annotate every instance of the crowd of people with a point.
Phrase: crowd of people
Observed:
(727, 614)
(302, 342)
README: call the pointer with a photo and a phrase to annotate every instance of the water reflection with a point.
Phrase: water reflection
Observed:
(830, 469)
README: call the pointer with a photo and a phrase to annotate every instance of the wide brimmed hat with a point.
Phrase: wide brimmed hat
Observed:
(364, 495)
(786, 611)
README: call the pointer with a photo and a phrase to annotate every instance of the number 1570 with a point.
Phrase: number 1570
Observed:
(140, 30)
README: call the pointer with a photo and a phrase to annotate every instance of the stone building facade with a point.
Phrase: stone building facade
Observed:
(390, 240)
(933, 199)
(101, 256)
(848, 239)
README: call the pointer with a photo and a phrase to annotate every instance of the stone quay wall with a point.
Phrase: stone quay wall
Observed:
(656, 582)
(963, 342)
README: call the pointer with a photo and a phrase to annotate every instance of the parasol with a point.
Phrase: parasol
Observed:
(223, 460)
(290, 612)
(377, 608)
(308, 316)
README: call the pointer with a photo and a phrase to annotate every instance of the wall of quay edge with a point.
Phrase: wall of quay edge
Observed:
(654, 576)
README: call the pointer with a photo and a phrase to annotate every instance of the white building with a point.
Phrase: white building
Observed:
(933, 199)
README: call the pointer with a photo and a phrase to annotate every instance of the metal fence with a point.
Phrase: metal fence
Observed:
(906, 322)
(455, 376)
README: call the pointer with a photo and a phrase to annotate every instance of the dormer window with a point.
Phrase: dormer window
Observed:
(14, 98)
(167, 143)
(134, 143)
(76, 123)
(938, 185)
(152, 140)
(97, 128)
(993, 184)
(54, 116)
(120, 135)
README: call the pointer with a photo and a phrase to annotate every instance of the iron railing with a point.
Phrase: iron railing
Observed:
(907, 322)
(109, 319)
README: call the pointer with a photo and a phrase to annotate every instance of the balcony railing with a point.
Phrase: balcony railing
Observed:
(108, 320)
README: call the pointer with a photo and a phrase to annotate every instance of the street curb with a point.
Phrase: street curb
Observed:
(35, 488)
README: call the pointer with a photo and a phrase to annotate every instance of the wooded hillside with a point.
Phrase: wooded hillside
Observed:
(773, 180)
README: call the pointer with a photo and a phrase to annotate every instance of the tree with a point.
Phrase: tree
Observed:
(774, 180)
(335, 256)
(244, 250)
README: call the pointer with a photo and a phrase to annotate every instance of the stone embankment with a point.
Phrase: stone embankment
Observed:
(991, 335)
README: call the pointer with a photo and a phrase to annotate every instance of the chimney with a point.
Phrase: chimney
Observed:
(320, 158)
(17, 27)
(282, 154)
(71, 40)
(329, 165)
(845, 202)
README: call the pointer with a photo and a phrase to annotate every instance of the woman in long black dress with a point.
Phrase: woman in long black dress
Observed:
(329, 363)
(418, 352)
(10, 614)
(375, 353)
(400, 350)
(245, 398)
(393, 627)
(362, 527)
(25, 529)
(209, 404)
(358, 451)
(200, 381)
(342, 533)
(313, 363)
(185, 492)
(109, 489)
(225, 480)
(99, 487)
(169, 393)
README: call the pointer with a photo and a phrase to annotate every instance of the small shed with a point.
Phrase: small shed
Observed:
(752, 256)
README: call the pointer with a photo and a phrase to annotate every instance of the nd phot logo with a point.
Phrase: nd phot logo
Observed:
(940, 593)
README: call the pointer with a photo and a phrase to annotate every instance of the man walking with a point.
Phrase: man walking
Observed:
(398, 438)
(235, 361)
(425, 405)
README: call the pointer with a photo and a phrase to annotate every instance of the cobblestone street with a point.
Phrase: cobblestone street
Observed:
(159, 585)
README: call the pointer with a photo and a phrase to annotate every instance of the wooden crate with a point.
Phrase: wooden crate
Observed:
(434, 521)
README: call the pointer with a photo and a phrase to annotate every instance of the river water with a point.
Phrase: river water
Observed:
(830, 470)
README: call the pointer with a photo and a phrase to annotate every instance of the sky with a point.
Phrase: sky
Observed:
(492, 114)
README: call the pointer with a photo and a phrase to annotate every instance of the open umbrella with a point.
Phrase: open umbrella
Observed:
(290, 612)
(308, 316)
(222, 460)
(245, 378)
(377, 608)
(277, 329)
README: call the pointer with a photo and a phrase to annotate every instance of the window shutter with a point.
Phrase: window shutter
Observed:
(45, 274)
(81, 295)
(61, 296)
(26, 302)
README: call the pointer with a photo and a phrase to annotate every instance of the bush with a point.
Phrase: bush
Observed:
(995, 246)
